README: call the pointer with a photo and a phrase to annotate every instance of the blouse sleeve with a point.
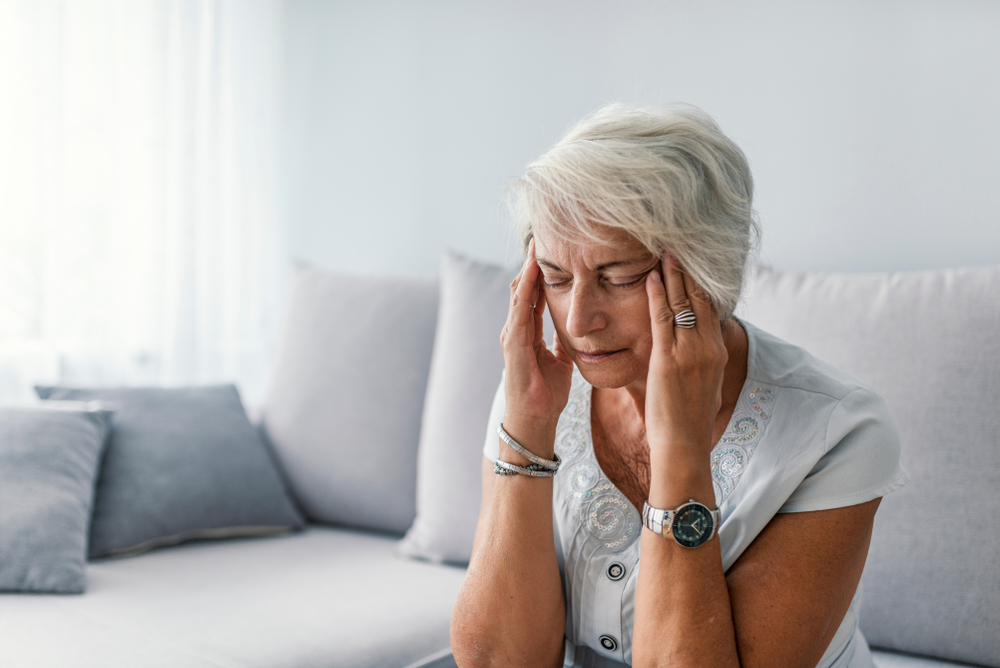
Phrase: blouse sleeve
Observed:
(491, 449)
(861, 460)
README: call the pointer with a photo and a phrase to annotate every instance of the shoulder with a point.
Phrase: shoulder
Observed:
(812, 390)
(837, 428)
(784, 365)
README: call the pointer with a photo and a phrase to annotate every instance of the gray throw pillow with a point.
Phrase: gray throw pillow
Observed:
(48, 464)
(180, 463)
(927, 341)
(465, 372)
(346, 393)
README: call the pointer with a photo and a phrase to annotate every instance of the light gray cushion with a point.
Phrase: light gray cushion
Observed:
(466, 369)
(320, 598)
(48, 465)
(346, 394)
(181, 463)
(928, 342)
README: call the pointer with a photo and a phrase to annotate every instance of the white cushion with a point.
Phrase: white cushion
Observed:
(324, 597)
(929, 343)
(346, 395)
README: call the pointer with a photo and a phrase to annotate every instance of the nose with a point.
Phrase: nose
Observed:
(585, 312)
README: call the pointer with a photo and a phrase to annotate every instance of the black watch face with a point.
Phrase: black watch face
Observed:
(692, 525)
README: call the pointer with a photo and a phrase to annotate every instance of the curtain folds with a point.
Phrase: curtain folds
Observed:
(138, 234)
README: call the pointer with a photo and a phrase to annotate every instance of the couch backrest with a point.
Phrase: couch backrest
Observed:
(346, 394)
(929, 342)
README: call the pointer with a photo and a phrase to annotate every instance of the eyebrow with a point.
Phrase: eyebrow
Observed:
(607, 265)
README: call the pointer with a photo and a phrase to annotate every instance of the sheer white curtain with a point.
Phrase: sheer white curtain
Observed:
(138, 242)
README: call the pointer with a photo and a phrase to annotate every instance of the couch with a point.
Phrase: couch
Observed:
(375, 421)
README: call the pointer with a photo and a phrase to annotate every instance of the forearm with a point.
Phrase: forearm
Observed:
(683, 613)
(510, 611)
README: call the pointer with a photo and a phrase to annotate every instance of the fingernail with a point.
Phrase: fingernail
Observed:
(655, 276)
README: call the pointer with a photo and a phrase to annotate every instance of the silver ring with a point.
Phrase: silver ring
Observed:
(685, 319)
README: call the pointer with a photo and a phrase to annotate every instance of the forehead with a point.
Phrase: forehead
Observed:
(614, 246)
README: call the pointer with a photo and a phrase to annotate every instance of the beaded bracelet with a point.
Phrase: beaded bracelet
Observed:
(530, 456)
(501, 467)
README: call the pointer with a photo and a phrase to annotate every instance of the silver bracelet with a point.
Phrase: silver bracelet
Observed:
(530, 456)
(500, 467)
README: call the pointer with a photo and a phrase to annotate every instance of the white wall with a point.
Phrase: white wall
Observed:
(873, 127)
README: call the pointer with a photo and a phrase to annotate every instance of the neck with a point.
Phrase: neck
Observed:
(735, 339)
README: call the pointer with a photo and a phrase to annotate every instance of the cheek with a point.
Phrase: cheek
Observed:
(558, 309)
(635, 312)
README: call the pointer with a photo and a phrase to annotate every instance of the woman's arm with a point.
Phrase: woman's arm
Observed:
(778, 606)
(791, 588)
(510, 610)
(784, 599)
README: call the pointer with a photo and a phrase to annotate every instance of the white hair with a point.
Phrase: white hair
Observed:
(668, 177)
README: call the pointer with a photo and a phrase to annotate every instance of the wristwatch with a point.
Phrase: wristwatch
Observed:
(691, 525)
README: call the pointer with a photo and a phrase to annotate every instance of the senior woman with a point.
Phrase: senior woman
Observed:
(740, 472)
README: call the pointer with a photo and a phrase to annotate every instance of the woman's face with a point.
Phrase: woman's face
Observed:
(597, 297)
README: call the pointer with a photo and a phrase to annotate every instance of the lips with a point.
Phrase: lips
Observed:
(596, 356)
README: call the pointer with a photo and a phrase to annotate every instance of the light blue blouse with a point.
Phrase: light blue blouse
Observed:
(804, 436)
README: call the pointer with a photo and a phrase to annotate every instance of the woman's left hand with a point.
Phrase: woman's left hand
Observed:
(686, 368)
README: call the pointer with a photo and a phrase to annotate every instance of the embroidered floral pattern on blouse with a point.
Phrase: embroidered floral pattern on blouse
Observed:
(613, 520)
(601, 507)
(732, 454)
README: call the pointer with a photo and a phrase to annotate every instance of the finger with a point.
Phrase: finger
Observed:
(701, 303)
(706, 316)
(677, 295)
(520, 273)
(523, 295)
(539, 321)
(661, 318)
(536, 285)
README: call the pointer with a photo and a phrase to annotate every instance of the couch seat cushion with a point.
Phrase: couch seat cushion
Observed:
(323, 597)
(894, 660)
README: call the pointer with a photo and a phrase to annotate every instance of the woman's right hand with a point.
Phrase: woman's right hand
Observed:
(537, 380)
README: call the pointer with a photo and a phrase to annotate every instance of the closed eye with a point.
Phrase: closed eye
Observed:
(627, 284)
(632, 282)
(615, 282)
(554, 284)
